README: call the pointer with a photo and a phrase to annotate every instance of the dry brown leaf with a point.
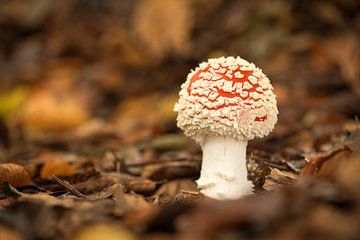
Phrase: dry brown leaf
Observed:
(344, 51)
(48, 200)
(15, 174)
(170, 189)
(348, 173)
(171, 170)
(128, 201)
(340, 226)
(278, 178)
(117, 41)
(212, 216)
(143, 186)
(137, 120)
(187, 197)
(325, 165)
(99, 183)
(163, 26)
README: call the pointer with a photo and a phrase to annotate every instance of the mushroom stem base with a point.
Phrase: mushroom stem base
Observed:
(223, 172)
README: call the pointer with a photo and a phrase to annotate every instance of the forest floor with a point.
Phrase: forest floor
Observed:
(89, 146)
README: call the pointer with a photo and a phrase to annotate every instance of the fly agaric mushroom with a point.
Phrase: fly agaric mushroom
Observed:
(224, 103)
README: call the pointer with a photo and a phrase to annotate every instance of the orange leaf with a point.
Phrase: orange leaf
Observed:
(15, 174)
(58, 167)
(8, 233)
(46, 110)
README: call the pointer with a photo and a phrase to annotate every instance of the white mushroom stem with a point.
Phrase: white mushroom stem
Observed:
(223, 171)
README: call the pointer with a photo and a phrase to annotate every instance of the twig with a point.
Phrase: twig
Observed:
(189, 192)
(142, 164)
(69, 187)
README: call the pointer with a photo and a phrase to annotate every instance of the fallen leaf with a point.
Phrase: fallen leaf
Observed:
(144, 186)
(212, 216)
(167, 142)
(137, 120)
(348, 175)
(170, 189)
(344, 51)
(103, 232)
(11, 101)
(57, 167)
(48, 200)
(163, 26)
(323, 165)
(15, 174)
(126, 202)
(187, 197)
(45, 110)
(278, 178)
(171, 170)
(340, 226)
(7, 233)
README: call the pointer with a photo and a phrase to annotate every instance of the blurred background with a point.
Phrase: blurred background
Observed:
(87, 89)
(118, 65)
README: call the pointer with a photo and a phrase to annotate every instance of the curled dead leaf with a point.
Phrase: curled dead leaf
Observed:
(15, 174)
(169, 190)
(326, 164)
(278, 178)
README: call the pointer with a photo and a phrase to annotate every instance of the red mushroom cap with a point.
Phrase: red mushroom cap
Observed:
(226, 97)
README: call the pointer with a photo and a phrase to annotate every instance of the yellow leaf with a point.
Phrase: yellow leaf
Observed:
(12, 101)
(103, 232)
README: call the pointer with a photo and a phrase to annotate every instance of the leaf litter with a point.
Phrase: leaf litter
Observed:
(88, 140)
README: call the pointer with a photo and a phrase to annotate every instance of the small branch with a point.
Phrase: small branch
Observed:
(69, 187)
